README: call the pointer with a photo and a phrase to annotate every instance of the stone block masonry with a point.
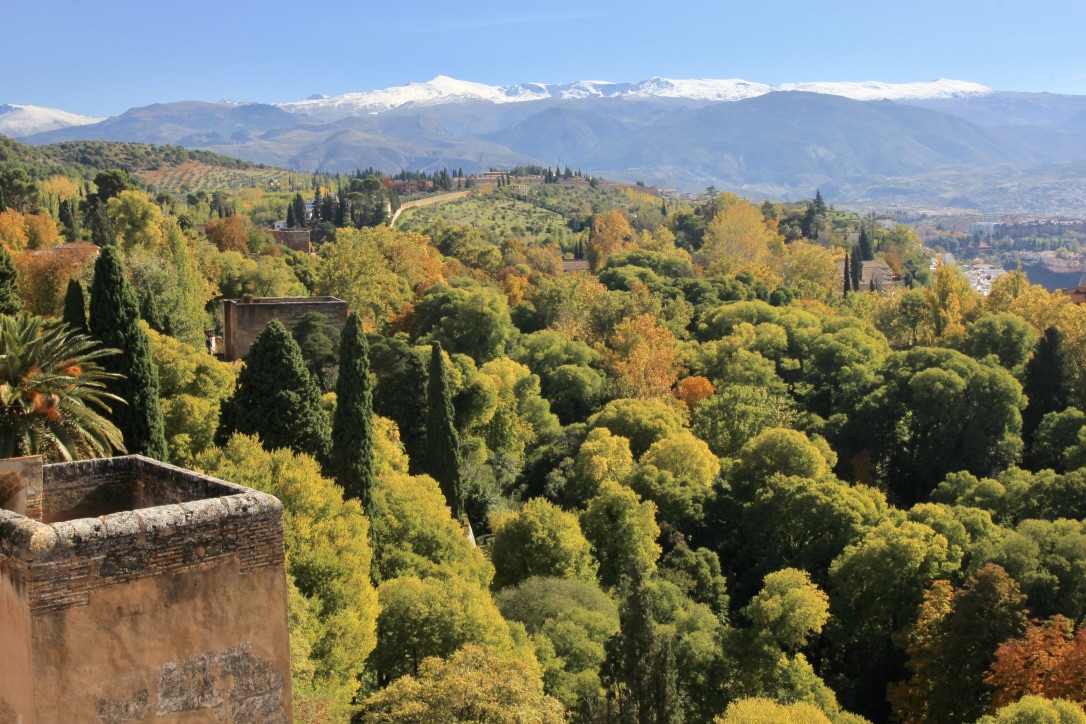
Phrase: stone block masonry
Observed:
(244, 319)
(138, 591)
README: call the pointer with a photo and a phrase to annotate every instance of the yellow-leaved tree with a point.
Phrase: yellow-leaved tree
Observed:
(333, 605)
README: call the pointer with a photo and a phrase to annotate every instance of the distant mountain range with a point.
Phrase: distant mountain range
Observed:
(942, 143)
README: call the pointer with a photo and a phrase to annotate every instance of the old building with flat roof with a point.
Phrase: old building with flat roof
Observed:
(244, 319)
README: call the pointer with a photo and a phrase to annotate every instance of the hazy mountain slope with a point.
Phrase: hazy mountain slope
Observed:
(164, 123)
(798, 140)
(387, 144)
(1006, 108)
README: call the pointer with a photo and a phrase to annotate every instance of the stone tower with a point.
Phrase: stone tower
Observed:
(134, 591)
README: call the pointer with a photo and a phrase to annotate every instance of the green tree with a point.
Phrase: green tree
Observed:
(778, 451)
(320, 344)
(574, 618)
(540, 540)
(1046, 382)
(848, 276)
(602, 456)
(75, 306)
(642, 422)
(465, 317)
(640, 671)
(737, 413)
(52, 382)
(10, 303)
(938, 412)
(418, 536)
(1007, 336)
(423, 617)
(623, 533)
(875, 588)
(115, 321)
(865, 247)
(351, 459)
(400, 392)
(276, 398)
(192, 385)
(1056, 440)
(102, 232)
(442, 453)
(802, 523)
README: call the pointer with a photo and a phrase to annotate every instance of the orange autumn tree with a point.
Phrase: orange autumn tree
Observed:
(693, 390)
(643, 358)
(1048, 660)
(229, 233)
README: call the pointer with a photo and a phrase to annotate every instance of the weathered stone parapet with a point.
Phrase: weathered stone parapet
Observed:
(126, 550)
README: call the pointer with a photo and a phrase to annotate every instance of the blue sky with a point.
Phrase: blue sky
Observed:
(104, 57)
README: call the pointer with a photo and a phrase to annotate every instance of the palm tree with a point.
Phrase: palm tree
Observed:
(50, 383)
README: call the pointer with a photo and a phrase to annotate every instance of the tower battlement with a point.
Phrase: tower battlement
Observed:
(132, 590)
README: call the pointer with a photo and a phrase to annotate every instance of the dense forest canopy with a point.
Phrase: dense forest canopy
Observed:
(717, 476)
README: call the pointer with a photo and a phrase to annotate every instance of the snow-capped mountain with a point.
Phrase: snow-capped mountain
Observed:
(442, 90)
(17, 121)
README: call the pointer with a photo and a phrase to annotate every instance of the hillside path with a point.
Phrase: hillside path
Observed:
(426, 202)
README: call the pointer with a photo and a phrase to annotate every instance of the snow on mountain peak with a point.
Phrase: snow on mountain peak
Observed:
(17, 121)
(443, 89)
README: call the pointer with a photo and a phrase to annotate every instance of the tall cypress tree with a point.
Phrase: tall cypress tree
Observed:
(102, 233)
(114, 321)
(75, 307)
(1045, 382)
(441, 459)
(857, 270)
(291, 221)
(276, 398)
(10, 303)
(639, 671)
(867, 250)
(848, 275)
(351, 461)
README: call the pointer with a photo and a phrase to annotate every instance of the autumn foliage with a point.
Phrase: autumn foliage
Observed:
(1048, 660)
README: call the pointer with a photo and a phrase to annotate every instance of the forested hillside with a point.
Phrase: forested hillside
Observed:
(723, 475)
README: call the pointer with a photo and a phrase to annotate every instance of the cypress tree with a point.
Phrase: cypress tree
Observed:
(114, 321)
(857, 270)
(276, 398)
(1045, 382)
(75, 307)
(351, 460)
(102, 233)
(848, 275)
(867, 250)
(291, 221)
(441, 459)
(10, 303)
(639, 671)
(299, 210)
